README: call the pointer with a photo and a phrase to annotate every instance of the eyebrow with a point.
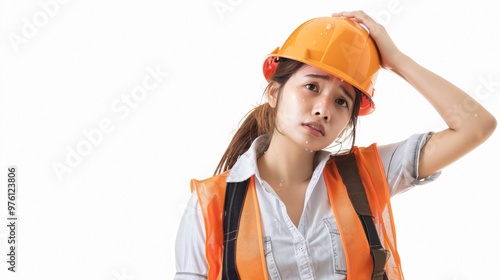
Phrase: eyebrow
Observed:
(324, 77)
(327, 78)
(346, 93)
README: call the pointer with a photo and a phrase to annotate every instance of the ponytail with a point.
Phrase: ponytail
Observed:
(258, 121)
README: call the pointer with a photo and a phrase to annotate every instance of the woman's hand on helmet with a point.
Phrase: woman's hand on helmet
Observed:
(389, 53)
(448, 145)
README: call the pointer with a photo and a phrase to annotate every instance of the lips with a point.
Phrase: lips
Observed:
(314, 128)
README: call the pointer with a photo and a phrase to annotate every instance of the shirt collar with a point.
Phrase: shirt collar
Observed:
(246, 165)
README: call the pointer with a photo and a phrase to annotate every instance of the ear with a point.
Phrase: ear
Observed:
(272, 93)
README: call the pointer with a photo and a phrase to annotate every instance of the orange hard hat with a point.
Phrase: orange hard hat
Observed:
(338, 46)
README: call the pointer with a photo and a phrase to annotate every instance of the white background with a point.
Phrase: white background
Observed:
(113, 214)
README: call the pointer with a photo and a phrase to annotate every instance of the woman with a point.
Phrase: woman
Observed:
(283, 208)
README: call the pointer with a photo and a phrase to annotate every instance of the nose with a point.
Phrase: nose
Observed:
(322, 110)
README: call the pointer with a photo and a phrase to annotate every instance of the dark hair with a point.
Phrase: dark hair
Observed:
(261, 120)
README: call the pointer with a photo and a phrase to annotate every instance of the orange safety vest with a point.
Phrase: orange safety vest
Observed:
(250, 257)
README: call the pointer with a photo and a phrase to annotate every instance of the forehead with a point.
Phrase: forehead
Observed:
(311, 70)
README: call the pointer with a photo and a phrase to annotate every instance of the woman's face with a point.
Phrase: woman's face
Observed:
(314, 108)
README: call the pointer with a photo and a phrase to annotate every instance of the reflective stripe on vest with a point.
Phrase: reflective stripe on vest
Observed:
(250, 259)
(348, 170)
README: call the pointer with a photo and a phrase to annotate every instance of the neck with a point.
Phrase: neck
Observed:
(285, 162)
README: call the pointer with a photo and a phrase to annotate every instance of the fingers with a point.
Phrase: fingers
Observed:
(387, 49)
(352, 14)
(358, 16)
(362, 18)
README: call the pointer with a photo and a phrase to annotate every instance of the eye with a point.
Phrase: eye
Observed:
(312, 87)
(342, 102)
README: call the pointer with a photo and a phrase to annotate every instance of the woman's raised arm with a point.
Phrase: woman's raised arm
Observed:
(469, 123)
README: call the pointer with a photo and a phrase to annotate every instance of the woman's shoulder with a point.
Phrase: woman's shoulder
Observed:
(372, 148)
(215, 181)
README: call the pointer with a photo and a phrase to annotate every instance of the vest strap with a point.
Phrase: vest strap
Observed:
(233, 208)
(348, 170)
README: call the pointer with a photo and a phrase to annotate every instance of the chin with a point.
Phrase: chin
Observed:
(312, 147)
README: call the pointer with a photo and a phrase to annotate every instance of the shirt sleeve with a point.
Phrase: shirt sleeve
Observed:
(400, 162)
(191, 263)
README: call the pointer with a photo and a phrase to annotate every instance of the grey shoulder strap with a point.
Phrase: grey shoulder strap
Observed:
(348, 170)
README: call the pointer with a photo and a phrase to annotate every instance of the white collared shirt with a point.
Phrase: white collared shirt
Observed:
(313, 250)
